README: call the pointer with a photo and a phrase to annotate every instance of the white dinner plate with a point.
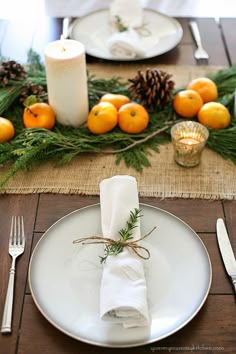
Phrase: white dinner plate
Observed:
(64, 278)
(159, 35)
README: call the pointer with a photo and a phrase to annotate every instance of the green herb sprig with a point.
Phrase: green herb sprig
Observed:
(126, 234)
(120, 25)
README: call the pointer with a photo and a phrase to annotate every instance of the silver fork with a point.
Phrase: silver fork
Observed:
(16, 248)
(200, 54)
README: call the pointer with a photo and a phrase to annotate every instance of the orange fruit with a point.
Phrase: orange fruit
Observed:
(116, 99)
(40, 115)
(214, 115)
(7, 130)
(187, 103)
(133, 118)
(206, 88)
(102, 118)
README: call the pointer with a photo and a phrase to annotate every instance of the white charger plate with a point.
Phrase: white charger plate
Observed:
(94, 29)
(64, 278)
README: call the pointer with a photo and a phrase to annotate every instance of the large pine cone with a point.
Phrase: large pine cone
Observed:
(152, 89)
(11, 70)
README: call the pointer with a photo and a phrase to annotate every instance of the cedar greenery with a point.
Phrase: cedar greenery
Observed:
(61, 144)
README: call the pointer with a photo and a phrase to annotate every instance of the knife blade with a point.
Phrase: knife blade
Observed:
(65, 27)
(226, 251)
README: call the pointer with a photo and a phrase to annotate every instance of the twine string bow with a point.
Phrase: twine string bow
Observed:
(133, 244)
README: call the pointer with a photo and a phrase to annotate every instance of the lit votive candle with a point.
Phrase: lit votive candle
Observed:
(67, 81)
(189, 139)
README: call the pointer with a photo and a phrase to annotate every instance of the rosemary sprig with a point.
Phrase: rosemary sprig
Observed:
(125, 235)
(120, 25)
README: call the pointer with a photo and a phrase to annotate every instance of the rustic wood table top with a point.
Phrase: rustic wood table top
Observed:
(213, 329)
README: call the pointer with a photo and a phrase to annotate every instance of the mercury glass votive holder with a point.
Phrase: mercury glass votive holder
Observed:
(189, 139)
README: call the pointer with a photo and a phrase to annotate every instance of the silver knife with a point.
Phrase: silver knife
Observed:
(226, 250)
(66, 27)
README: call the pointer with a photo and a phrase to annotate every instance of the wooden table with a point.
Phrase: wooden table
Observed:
(213, 329)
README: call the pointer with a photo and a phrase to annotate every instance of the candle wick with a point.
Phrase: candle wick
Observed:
(63, 43)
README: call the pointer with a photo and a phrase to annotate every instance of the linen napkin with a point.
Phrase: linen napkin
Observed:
(125, 44)
(130, 12)
(123, 292)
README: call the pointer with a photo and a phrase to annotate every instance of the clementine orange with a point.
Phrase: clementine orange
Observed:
(7, 130)
(187, 103)
(133, 118)
(116, 99)
(40, 115)
(102, 118)
(214, 115)
(206, 88)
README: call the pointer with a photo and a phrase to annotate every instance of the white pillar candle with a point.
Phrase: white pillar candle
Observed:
(67, 81)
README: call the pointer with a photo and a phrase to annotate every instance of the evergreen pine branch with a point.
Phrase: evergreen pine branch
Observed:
(225, 79)
(227, 146)
(137, 156)
(37, 145)
(8, 95)
(35, 66)
(23, 160)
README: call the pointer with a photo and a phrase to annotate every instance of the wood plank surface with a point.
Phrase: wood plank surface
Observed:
(212, 41)
(228, 30)
(52, 207)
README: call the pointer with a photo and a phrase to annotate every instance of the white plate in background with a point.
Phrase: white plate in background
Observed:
(93, 30)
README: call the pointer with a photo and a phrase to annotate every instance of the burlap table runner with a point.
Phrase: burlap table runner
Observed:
(214, 178)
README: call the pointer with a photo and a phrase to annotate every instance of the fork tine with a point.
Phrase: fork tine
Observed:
(18, 231)
(15, 231)
(22, 231)
(11, 232)
(202, 61)
(200, 53)
(12, 239)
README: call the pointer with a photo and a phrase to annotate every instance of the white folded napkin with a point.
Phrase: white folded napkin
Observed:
(123, 292)
(125, 45)
(130, 12)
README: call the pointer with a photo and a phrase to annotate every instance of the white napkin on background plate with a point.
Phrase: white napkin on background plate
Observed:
(123, 292)
(130, 12)
(125, 45)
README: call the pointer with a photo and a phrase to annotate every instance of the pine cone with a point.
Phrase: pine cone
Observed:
(32, 90)
(152, 89)
(11, 70)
